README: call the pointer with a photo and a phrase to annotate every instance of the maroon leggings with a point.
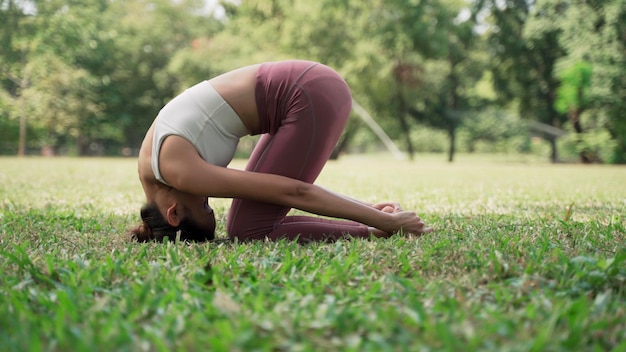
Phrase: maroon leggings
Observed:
(303, 108)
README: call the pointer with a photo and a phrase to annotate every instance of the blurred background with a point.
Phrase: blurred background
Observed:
(544, 78)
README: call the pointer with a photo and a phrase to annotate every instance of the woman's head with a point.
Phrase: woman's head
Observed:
(155, 227)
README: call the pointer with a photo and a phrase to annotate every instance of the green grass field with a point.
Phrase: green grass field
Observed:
(525, 257)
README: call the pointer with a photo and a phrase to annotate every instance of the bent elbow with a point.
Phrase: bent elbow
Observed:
(302, 190)
(292, 194)
(300, 194)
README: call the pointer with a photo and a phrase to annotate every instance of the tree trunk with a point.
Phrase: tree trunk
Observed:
(554, 156)
(574, 116)
(454, 106)
(82, 145)
(405, 125)
(21, 144)
(402, 75)
(452, 138)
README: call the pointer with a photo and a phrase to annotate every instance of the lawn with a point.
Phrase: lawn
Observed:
(526, 257)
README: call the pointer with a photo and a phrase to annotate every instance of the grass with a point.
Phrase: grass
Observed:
(526, 257)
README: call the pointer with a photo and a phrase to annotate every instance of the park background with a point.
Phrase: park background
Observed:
(539, 78)
(526, 255)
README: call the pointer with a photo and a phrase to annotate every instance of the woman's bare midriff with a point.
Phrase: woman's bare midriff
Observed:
(237, 87)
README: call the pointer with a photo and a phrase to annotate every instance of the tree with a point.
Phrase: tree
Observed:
(14, 55)
(434, 63)
(42, 64)
(148, 39)
(573, 98)
(91, 73)
(327, 31)
(522, 65)
(591, 32)
(610, 73)
(98, 66)
(565, 34)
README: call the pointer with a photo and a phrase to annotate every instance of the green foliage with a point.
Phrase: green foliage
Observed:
(597, 141)
(88, 72)
(525, 257)
(429, 140)
(573, 93)
(492, 126)
(523, 60)
(89, 76)
(589, 33)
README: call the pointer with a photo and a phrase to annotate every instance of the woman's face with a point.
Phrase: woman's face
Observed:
(198, 210)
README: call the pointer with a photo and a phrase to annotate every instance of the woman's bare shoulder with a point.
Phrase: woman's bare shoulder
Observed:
(144, 160)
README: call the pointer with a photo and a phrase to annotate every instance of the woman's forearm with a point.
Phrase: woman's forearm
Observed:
(317, 200)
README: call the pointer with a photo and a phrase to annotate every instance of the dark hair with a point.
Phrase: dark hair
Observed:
(155, 227)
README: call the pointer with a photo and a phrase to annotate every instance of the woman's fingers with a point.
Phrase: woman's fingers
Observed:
(411, 223)
(388, 207)
(406, 221)
(424, 230)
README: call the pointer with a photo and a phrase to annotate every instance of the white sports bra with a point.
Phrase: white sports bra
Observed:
(204, 118)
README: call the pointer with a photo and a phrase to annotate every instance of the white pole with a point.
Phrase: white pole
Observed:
(371, 123)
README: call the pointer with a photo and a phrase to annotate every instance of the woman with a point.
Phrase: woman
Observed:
(301, 109)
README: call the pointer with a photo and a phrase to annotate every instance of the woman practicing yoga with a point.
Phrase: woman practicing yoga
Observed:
(301, 109)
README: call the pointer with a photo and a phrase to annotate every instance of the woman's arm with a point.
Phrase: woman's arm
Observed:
(389, 207)
(297, 194)
(184, 170)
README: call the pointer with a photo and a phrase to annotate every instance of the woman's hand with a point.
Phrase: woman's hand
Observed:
(388, 207)
(407, 221)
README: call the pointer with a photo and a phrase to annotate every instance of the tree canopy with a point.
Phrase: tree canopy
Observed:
(87, 77)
